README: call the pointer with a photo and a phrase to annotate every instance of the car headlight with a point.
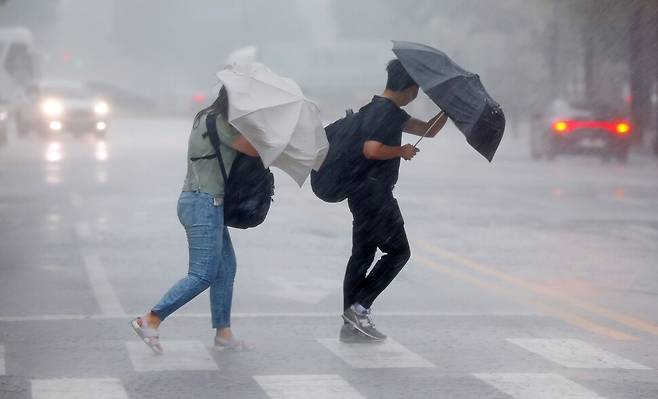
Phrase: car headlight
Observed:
(52, 107)
(101, 108)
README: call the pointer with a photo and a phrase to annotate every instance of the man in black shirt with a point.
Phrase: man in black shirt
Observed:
(378, 222)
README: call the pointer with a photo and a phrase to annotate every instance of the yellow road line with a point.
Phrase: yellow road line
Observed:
(624, 319)
(568, 317)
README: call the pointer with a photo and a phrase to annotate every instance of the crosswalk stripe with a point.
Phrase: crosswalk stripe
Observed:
(387, 354)
(2, 360)
(178, 356)
(100, 283)
(264, 315)
(537, 386)
(327, 386)
(574, 353)
(78, 388)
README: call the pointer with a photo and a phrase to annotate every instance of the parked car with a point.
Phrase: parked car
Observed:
(52, 108)
(581, 127)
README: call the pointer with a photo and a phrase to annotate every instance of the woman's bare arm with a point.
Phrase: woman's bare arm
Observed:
(242, 145)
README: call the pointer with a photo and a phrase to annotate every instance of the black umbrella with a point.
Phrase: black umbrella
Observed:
(458, 92)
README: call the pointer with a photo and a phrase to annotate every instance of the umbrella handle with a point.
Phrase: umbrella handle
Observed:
(429, 128)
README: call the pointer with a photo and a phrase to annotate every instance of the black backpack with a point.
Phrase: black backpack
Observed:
(249, 189)
(341, 172)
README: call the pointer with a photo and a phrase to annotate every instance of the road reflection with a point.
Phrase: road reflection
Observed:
(54, 156)
(101, 153)
(53, 174)
(53, 220)
(54, 152)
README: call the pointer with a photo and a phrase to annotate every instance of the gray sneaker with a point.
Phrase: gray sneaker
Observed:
(350, 335)
(232, 344)
(363, 324)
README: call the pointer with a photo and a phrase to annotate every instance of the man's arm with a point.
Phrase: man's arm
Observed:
(418, 127)
(376, 151)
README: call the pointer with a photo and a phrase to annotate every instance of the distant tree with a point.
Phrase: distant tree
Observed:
(643, 64)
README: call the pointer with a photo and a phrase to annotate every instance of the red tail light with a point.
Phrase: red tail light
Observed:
(199, 97)
(622, 128)
(561, 127)
(619, 127)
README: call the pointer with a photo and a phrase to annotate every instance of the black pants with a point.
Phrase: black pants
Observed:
(378, 223)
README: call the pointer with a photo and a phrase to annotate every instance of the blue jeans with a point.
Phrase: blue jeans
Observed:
(212, 260)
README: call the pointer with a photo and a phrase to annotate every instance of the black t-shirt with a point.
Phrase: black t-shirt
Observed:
(383, 121)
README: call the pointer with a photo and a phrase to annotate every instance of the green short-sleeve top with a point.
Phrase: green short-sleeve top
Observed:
(204, 175)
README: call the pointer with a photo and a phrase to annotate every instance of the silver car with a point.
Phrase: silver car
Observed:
(54, 108)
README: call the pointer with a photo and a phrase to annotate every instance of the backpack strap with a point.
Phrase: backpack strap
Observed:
(211, 133)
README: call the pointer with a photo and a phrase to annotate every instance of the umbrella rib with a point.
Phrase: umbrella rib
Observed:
(268, 107)
(278, 153)
(278, 87)
(269, 85)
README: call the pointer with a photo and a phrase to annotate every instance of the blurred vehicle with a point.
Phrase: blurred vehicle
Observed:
(4, 123)
(18, 63)
(581, 127)
(52, 108)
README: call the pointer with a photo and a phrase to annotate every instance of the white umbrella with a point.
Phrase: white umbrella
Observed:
(275, 117)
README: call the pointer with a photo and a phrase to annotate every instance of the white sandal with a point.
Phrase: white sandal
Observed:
(148, 334)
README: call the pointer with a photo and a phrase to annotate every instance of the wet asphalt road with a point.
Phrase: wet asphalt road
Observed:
(527, 279)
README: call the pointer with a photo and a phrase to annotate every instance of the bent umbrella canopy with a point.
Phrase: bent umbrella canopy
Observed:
(457, 92)
(272, 113)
